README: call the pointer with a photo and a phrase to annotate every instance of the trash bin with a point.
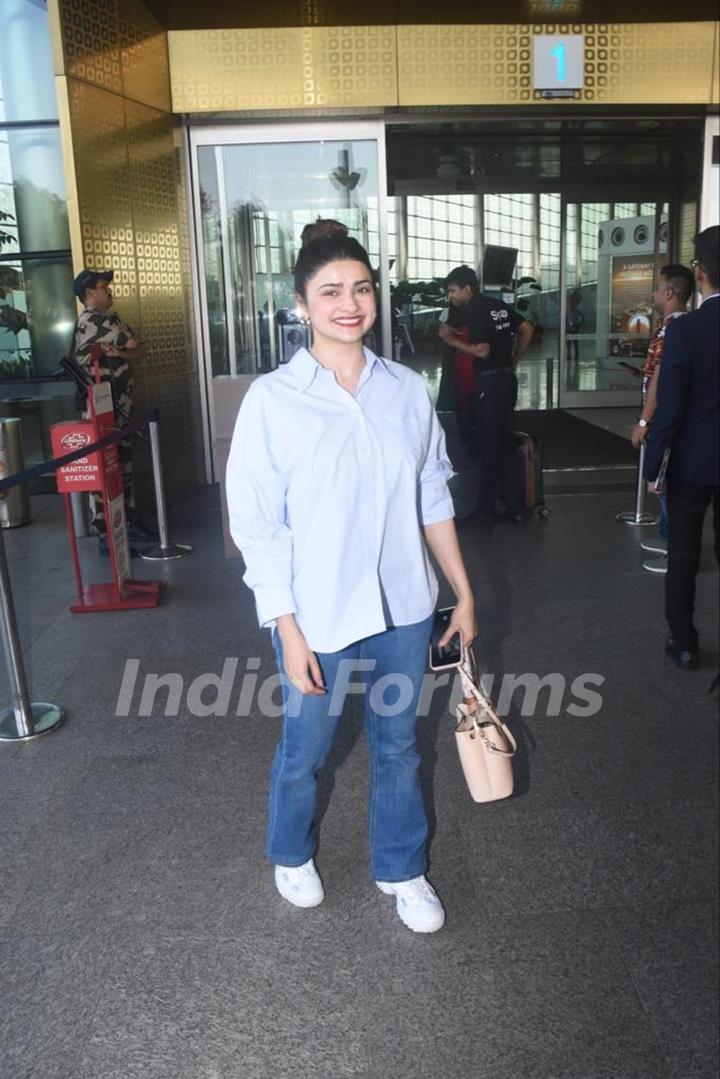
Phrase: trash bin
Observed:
(15, 503)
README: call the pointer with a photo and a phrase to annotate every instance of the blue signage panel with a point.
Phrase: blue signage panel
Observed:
(558, 61)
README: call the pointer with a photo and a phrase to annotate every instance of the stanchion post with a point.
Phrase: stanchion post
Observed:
(638, 515)
(549, 371)
(23, 720)
(13, 652)
(158, 483)
(164, 550)
(78, 500)
(72, 534)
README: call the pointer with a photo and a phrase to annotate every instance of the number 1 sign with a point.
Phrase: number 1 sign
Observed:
(558, 62)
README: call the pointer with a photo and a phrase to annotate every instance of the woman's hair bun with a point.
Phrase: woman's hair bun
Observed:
(323, 228)
(325, 241)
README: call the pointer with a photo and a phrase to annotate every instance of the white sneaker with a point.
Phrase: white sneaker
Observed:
(656, 565)
(657, 546)
(300, 885)
(417, 904)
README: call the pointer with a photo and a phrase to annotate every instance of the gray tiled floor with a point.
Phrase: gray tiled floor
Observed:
(140, 933)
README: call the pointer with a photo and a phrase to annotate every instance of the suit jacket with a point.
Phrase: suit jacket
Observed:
(687, 418)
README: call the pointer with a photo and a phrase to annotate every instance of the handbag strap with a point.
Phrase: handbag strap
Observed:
(473, 694)
(463, 712)
(476, 700)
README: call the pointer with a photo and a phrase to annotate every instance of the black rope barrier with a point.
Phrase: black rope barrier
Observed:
(119, 435)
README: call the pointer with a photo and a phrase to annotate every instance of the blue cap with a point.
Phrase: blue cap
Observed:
(88, 279)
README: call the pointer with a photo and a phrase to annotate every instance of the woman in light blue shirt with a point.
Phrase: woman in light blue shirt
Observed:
(337, 487)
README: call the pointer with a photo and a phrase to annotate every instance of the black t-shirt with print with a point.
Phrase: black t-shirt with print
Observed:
(490, 321)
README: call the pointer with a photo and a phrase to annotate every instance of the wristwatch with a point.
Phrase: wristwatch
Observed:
(643, 423)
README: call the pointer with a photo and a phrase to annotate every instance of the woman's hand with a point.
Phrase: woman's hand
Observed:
(462, 621)
(300, 662)
(442, 540)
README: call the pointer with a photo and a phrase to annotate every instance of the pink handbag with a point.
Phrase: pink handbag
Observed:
(485, 744)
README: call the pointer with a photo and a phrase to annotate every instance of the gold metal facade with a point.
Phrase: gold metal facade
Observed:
(126, 202)
(389, 66)
(625, 64)
(116, 45)
(295, 67)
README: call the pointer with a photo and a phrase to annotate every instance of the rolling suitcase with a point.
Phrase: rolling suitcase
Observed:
(530, 473)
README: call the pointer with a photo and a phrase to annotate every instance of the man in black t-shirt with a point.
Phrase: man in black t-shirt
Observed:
(497, 338)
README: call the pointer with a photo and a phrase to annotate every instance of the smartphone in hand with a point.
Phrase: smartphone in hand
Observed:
(447, 657)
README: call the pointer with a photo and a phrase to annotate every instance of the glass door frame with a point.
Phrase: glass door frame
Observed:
(660, 194)
(239, 134)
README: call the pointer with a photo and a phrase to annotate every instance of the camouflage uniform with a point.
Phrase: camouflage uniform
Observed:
(101, 328)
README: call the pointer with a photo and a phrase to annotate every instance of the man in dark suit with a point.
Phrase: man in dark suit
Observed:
(687, 421)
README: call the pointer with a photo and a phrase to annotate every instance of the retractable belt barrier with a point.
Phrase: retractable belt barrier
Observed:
(91, 463)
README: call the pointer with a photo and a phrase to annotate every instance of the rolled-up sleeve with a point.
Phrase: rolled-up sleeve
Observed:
(256, 492)
(436, 503)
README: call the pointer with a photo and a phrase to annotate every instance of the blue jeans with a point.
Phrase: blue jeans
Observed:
(390, 668)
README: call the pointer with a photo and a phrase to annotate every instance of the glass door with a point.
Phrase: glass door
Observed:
(612, 252)
(255, 190)
(511, 239)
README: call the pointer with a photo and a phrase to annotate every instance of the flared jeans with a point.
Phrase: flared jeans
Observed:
(387, 669)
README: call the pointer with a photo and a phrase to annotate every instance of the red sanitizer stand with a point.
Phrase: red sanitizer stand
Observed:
(100, 471)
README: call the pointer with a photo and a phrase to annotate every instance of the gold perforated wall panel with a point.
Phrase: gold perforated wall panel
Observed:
(99, 149)
(143, 55)
(715, 93)
(344, 67)
(625, 64)
(312, 67)
(126, 202)
(128, 175)
(115, 44)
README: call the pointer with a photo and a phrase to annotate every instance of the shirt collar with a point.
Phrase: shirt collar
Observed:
(303, 367)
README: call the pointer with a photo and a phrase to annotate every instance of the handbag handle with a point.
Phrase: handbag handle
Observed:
(472, 694)
(473, 697)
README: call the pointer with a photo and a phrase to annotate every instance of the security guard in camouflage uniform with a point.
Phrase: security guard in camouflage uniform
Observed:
(120, 347)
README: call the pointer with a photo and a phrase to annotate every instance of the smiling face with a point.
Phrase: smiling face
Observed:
(339, 300)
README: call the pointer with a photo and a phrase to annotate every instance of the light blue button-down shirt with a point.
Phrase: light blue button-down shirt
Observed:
(327, 492)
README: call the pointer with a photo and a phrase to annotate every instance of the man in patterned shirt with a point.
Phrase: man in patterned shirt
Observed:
(675, 286)
(120, 347)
